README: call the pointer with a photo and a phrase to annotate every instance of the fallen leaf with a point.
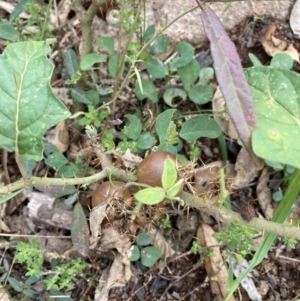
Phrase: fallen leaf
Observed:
(3, 294)
(246, 170)
(221, 115)
(273, 46)
(247, 283)
(264, 195)
(130, 160)
(215, 267)
(59, 136)
(295, 19)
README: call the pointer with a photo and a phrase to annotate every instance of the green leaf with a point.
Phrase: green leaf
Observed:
(149, 91)
(156, 68)
(56, 160)
(7, 31)
(199, 126)
(277, 196)
(165, 127)
(146, 140)
(114, 65)
(206, 75)
(135, 253)
(149, 256)
(169, 175)
(7, 197)
(187, 53)
(15, 284)
(150, 196)
(17, 10)
(71, 62)
(68, 171)
(201, 94)
(173, 93)
(282, 60)
(81, 96)
(160, 45)
(149, 33)
(80, 230)
(189, 74)
(167, 147)
(28, 106)
(144, 239)
(134, 129)
(277, 102)
(90, 59)
(175, 189)
(255, 61)
(107, 43)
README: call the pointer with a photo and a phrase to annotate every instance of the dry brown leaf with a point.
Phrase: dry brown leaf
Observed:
(221, 116)
(295, 19)
(245, 169)
(64, 8)
(130, 160)
(97, 216)
(3, 294)
(215, 267)
(273, 46)
(264, 195)
(59, 136)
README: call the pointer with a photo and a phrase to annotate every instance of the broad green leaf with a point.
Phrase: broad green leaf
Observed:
(206, 75)
(160, 45)
(149, 256)
(149, 91)
(5, 198)
(107, 43)
(149, 33)
(167, 147)
(114, 65)
(169, 175)
(173, 93)
(71, 62)
(134, 129)
(156, 68)
(165, 127)
(150, 196)
(17, 10)
(7, 31)
(277, 95)
(28, 106)
(80, 230)
(56, 160)
(189, 74)
(199, 126)
(231, 79)
(146, 140)
(135, 253)
(175, 189)
(282, 60)
(144, 239)
(68, 171)
(187, 53)
(81, 96)
(90, 59)
(201, 94)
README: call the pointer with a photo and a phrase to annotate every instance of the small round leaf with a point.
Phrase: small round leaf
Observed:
(150, 196)
(149, 256)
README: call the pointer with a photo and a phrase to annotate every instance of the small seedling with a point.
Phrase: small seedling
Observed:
(144, 251)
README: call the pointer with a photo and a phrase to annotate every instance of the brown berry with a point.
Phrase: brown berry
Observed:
(151, 168)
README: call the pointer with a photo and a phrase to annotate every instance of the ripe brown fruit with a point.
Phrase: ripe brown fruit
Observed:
(108, 190)
(151, 168)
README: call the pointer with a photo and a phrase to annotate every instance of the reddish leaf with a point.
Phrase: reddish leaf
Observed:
(231, 79)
